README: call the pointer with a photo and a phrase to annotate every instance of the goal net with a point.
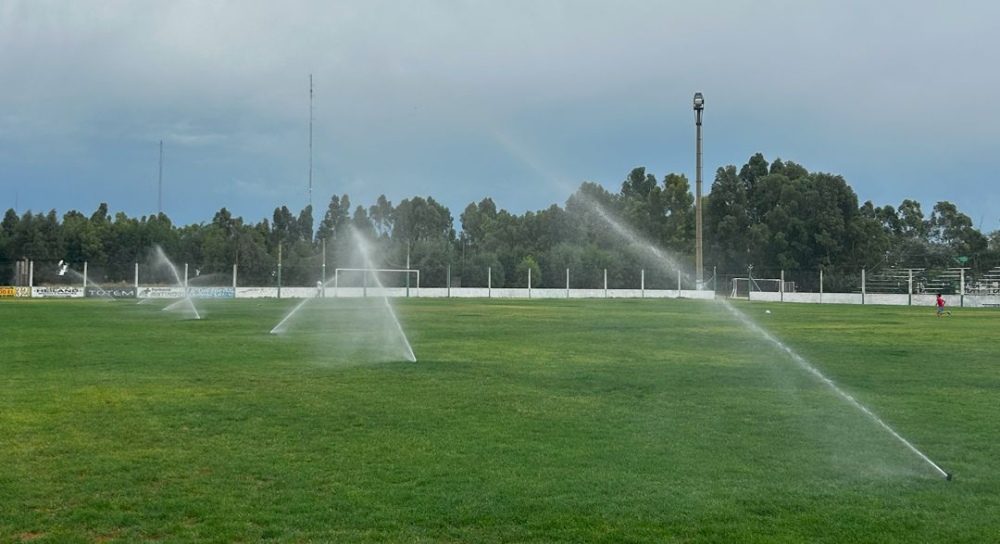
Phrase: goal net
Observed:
(743, 286)
(376, 281)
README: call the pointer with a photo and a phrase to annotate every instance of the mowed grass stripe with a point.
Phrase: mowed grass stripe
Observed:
(523, 420)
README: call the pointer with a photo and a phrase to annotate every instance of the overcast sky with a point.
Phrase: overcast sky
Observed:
(517, 100)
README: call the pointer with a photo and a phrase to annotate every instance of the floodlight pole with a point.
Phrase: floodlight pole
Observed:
(159, 184)
(310, 141)
(699, 108)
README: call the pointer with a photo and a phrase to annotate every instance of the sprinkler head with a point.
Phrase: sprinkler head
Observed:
(948, 476)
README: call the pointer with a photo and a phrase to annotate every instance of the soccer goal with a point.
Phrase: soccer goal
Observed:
(743, 286)
(375, 281)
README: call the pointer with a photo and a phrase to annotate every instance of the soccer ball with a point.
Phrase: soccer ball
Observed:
(768, 312)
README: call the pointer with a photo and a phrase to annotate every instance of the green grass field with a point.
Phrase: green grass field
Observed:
(522, 421)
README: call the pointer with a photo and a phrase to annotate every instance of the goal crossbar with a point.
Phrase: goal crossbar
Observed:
(743, 286)
(366, 271)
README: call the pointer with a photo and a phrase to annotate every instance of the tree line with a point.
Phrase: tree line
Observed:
(768, 216)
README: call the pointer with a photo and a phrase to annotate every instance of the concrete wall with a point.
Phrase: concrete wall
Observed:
(928, 300)
(968, 301)
(466, 292)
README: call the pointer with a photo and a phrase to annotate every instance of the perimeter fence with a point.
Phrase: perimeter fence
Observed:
(55, 273)
(542, 275)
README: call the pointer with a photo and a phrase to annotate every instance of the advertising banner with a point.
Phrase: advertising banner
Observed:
(180, 292)
(61, 291)
(110, 292)
(19, 292)
(161, 292)
(211, 292)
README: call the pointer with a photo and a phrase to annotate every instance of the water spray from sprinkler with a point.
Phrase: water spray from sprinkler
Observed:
(627, 233)
(829, 383)
(363, 247)
(186, 301)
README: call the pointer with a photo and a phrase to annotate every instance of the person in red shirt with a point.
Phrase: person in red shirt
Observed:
(940, 306)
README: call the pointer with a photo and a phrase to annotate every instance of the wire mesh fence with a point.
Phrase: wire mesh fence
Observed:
(632, 275)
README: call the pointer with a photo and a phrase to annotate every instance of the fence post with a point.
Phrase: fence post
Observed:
(567, 283)
(862, 286)
(821, 286)
(642, 283)
(781, 287)
(961, 297)
(234, 277)
(679, 283)
(449, 281)
(84, 275)
(489, 282)
(605, 283)
(137, 276)
(529, 282)
(909, 289)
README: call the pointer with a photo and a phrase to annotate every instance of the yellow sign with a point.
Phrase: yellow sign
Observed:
(7, 292)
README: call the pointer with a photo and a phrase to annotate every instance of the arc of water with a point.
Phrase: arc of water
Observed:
(186, 301)
(363, 248)
(632, 237)
(280, 327)
(829, 383)
(530, 160)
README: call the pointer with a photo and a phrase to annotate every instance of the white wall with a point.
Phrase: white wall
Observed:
(969, 301)
(954, 301)
(466, 292)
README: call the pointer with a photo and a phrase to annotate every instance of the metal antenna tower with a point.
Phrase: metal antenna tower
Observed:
(159, 185)
(310, 140)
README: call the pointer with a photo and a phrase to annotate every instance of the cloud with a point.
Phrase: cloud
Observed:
(409, 95)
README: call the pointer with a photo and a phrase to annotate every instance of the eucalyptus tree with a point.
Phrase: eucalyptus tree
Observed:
(160, 231)
(544, 232)
(419, 219)
(301, 263)
(872, 241)
(641, 205)
(476, 221)
(362, 223)
(589, 210)
(599, 229)
(334, 230)
(991, 257)
(727, 222)
(422, 236)
(507, 239)
(679, 224)
(7, 255)
(220, 243)
(42, 236)
(380, 215)
(38, 238)
(124, 246)
(784, 217)
(954, 230)
(257, 264)
(7, 227)
(82, 242)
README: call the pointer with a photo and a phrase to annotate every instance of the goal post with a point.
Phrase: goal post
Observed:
(743, 286)
(372, 279)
